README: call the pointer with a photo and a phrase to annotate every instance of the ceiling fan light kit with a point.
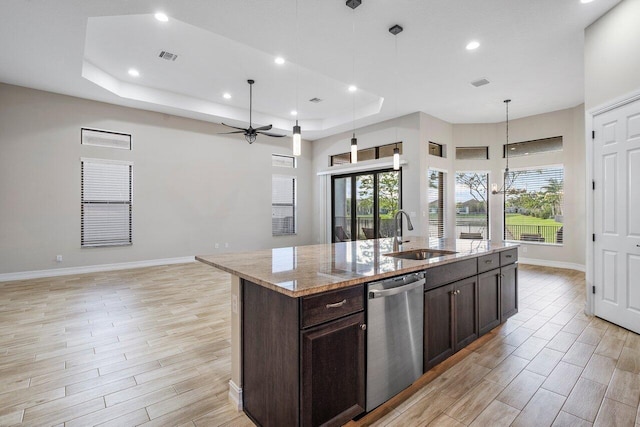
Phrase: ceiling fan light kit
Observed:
(251, 133)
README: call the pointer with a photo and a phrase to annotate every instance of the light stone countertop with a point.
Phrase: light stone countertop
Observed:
(305, 270)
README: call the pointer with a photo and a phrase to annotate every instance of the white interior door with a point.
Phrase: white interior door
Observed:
(616, 157)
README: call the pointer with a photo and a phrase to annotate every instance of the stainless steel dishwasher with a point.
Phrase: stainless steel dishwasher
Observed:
(395, 312)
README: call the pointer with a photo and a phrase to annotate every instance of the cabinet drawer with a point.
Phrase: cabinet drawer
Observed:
(331, 305)
(508, 257)
(488, 262)
(448, 273)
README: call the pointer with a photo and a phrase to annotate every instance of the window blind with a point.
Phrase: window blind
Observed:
(106, 208)
(533, 205)
(435, 197)
(283, 205)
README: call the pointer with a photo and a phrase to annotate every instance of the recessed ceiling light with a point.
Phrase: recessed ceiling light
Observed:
(134, 73)
(279, 60)
(585, 1)
(352, 88)
(294, 113)
(161, 17)
(472, 45)
(226, 95)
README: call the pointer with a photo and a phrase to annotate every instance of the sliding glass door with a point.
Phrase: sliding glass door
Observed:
(364, 204)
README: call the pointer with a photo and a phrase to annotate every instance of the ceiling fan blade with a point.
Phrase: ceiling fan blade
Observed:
(275, 135)
(235, 131)
(234, 127)
(267, 127)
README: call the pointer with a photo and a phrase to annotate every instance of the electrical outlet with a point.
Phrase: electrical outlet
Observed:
(524, 249)
(226, 245)
(58, 258)
(234, 304)
(217, 245)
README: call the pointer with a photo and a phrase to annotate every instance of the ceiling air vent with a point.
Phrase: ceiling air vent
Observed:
(168, 55)
(315, 100)
(480, 82)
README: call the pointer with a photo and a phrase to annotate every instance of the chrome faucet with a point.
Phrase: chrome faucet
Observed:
(397, 240)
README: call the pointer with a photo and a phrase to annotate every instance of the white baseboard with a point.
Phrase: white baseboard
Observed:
(555, 264)
(24, 275)
(235, 395)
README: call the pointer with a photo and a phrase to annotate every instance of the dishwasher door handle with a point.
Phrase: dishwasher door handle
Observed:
(381, 293)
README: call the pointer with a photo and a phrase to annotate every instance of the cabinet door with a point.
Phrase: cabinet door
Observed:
(333, 375)
(438, 325)
(509, 287)
(465, 312)
(488, 301)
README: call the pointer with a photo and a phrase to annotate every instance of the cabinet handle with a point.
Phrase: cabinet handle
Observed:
(488, 261)
(337, 304)
(508, 256)
(363, 327)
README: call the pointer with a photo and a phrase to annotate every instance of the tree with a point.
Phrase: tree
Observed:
(553, 195)
(477, 184)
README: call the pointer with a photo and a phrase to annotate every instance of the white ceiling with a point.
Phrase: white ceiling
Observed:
(531, 52)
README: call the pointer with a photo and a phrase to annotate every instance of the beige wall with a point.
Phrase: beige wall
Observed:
(567, 123)
(192, 188)
(416, 130)
(612, 55)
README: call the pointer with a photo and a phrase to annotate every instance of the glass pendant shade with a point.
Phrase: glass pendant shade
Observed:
(297, 140)
(354, 149)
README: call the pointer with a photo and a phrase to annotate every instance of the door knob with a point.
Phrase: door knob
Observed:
(363, 327)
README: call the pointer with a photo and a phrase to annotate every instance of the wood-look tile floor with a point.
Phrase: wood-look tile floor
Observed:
(150, 346)
(548, 365)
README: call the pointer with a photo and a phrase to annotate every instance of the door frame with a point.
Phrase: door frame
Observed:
(590, 115)
(354, 216)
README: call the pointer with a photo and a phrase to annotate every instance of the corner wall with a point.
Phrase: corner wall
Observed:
(612, 54)
(192, 187)
(567, 123)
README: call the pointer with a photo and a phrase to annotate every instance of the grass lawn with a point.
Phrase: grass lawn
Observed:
(518, 219)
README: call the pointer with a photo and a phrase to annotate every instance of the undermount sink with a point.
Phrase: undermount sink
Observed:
(420, 254)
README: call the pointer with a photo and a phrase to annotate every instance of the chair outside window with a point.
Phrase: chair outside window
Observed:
(368, 233)
(341, 235)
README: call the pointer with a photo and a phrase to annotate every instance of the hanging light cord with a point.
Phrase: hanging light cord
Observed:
(507, 101)
(353, 67)
(298, 65)
(395, 39)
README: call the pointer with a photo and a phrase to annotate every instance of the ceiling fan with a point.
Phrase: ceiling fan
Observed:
(251, 133)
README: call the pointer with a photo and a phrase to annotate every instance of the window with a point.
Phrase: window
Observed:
(283, 205)
(364, 204)
(533, 205)
(282, 161)
(103, 138)
(106, 195)
(435, 198)
(535, 146)
(436, 149)
(472, 209)
(472, 153)
(373, 153)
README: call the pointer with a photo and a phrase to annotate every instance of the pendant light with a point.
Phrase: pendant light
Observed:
(395, 30)
(396, 158)
(297, 135)
(354, 89)
(494, 186)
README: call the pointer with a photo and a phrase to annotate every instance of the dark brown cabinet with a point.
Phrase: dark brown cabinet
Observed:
(303, 358)
(333, 373)
(489, 313)
(509, 291)
(450, 320)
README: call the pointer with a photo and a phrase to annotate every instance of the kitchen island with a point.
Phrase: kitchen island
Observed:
(299, 313)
